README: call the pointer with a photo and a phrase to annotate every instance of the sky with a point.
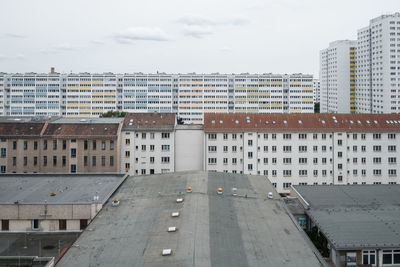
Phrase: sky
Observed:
(177, 36)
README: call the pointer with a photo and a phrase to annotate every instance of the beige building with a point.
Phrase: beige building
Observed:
(47, 203)
(60, 146)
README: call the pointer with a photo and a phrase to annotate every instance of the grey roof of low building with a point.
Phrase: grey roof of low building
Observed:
(355, 216)
(69, 188)
(212, 230)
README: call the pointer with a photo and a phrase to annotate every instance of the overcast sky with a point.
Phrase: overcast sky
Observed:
(177, 36)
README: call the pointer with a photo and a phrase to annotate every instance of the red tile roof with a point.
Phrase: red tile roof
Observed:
(19, 129)
(301, 122)
(149, 120)
(81, 130)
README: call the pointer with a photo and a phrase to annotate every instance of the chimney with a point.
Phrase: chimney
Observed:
(52, 70)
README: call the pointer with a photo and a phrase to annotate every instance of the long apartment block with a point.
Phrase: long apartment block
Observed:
(190, 96)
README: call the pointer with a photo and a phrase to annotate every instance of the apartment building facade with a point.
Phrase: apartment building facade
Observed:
(337, 77)
(60, 146)
(378, 65)
(188, 95)
(317, 90)
(305, 148)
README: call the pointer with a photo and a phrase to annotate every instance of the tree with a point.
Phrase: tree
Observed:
(113, 114)
(316, 107)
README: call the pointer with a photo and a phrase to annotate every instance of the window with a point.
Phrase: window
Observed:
(392, 172)
(273, 136)
(14, 145)
(151, 147)
(340, 166)
(212, 148)
(315, 136)
(127, 141)
(3, 169)
(25, 145)
(143, 147)
(212, 160)
(363, 160)
(54, 160)
(339, 154)
(73, 168)
(363, 136)
(103, 145)
(323, 172)
(73, 152)
(45, 145)
(363, 148)
(143, 135)
(287, 136)
(5, 225)
(315, 172)
(274, 172)
(164, 159)
(273, 148)
(265, 136)
(143, 171)
(94, 144)
(85, 161)
(62, 224)
(44, 160)
(54, 144)
(225, 136)
(354, 136)
(234, 148)
(265, 148)
(302, 136)
(376, 136)
(287, 173)
(302, 160)
(377, 160)
(93, 160)
(368, 257)
(377, 148)
(249, 142)
(127, 154)
(111, 144)
(64, 161)
(250, 155)
(339, 142)
(287, 148)
(302, 172)
(234, 136)
(111, 160)
(340, 178)
(302, 148)
(392, 136)
(392, 160)
(151, 159)
(354, 148)
(323, 160)
(152, 135)
(35, 224)
(265, 160)
(286, 185)
(165, 147)
(392, 148)
(234, 160)
(391, 256)
(323, 148)
(85, 144)
(64, 144)
(323, 136)
(377, 172)
(315, 148)
(127, 166)
(103, 161)
(3, 152)
(35, 145)
(354, 160)
(287, 160)
(250, 167)
(164, 135)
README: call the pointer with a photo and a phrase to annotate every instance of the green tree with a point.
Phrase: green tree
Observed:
(113, 114)
(316, 107)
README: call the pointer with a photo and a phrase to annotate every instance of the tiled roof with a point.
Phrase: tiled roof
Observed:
(79, 129)
(301, 122)
(149, 120)
(21, 129)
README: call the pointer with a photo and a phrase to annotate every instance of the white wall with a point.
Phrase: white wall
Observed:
(189, 149)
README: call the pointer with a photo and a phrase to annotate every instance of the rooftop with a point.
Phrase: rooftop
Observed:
(26, 129)
(88, 120)
(79, 129)
(211, 229)
(301, 122)
(69, 188)
(148, 121)
(355, 216)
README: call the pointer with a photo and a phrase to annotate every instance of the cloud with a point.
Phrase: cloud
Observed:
(195, 20)
(98, 42)
(196, 31)
(14, 35)
(20, 56)
(130, 35)
(62, 47)
(225, 49)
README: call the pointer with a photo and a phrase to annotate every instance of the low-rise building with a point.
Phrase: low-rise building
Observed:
(53, 202)
(305, 149)
(359, 224)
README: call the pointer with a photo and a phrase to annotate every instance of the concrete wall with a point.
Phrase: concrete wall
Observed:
(189, 150)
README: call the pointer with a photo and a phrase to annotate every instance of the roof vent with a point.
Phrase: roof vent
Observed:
(221, 121)
(189, 189)
(387, 122)
(334, 117)
(219, 191)
(167, 252)
(285, 121)
(247, 118)
(105, 129)
(131, 120)
(248, 121)
(115, 202)
(179, 200)
(367, 121)
(53, 194)
(213, 121)
(175, 214)
(323, 122)
(130, 124)
(375, 121)
(300, 122)
(273, 122)
(236, 121)
(351, 122)
(358, 121)
(335, 121)
(172, 229)
(266, 122)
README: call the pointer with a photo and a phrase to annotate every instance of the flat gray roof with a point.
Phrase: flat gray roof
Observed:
(212, 230)
(355, 216)
(69, 188)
